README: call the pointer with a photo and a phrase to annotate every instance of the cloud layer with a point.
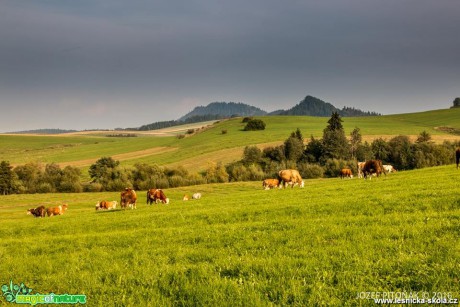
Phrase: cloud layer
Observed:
(107, 64)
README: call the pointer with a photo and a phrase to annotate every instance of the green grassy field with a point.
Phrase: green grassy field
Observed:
(67, 149)
(242, 246)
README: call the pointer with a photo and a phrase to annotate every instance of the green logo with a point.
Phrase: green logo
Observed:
(21, 294)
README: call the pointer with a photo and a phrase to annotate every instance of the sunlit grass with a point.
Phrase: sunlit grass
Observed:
(241, 245)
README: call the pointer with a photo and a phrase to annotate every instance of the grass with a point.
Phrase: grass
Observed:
(242, 246)
(19, 149)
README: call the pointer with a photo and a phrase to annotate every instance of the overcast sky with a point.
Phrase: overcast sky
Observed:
(117, 63)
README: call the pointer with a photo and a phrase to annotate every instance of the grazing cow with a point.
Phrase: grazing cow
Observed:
(128, 198)
(59, 210)
(184, 198)
(156, 196)
(457, 156)
(373, 167)
(196, 196)
(346, 172)
(290, 176)
(389, 168)
(270, 183)
(37, 212)
(360, 169)
(106, 205)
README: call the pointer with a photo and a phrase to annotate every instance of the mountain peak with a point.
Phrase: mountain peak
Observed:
(224, 109)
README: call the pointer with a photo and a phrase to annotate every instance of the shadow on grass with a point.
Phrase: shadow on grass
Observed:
(109, 211)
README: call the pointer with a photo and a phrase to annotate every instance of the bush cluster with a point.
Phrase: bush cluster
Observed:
(323, 157)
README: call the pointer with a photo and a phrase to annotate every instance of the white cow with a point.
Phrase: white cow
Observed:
(389, 168)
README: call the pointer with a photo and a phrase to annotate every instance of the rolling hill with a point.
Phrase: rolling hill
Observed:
(325, 244)
(312, 106)
(208, 144)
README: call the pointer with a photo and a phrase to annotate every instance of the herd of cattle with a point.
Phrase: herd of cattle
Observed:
(366, 170)
(42, 211)
(128, 197)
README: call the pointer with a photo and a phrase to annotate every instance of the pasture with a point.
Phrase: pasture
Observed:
(242, 246)
(210, 145)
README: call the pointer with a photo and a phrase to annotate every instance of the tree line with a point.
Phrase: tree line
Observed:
(319, 157)
(326, 156)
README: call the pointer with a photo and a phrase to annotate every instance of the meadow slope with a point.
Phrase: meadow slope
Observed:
(242, 246)
(210, 145)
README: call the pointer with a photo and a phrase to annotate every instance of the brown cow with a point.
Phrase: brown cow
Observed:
(37, 212)
(156, 196)
(106, 205)
(290, 176)
(270, 183)
(128, 198)
(457, 156)
(346, 172)
(59, 210)
(373, 167)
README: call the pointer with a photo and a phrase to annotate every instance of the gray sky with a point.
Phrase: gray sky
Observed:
(111, 63)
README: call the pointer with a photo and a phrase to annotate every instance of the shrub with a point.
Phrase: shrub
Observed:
(254, 124)
(216, 174)
(255, 172)
(252, 154)
(237, 172)
(92, 187)
(176, 181)
(161, 183)
(246, 119)
(180, 136)
(194, 179)
(190, 131)
(224, 131)
(45, 187)
(70, 187)
(333, 166)
(310, 171)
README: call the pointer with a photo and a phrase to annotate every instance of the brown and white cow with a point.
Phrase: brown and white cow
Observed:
(457, 157)
(128, 199)
(156, 196)
(106, 205)
(346, 173)
(59, 210)
(373, 167)
(290, 176)
(269, 183)
(37, 212)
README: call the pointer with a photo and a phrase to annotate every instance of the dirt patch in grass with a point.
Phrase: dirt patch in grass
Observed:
(437, 139)
(122, 157)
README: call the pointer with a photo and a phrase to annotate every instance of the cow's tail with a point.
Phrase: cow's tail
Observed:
(457, 157)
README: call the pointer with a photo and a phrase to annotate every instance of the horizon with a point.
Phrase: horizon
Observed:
(33, 131)
(115, 64)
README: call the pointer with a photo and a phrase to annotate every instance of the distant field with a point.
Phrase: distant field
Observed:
(210, 144)
(242, 246)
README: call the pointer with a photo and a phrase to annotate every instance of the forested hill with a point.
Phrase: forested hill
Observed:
(224, 109)
(313, 106)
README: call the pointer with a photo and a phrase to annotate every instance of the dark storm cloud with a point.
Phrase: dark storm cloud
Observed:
(106, 57)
